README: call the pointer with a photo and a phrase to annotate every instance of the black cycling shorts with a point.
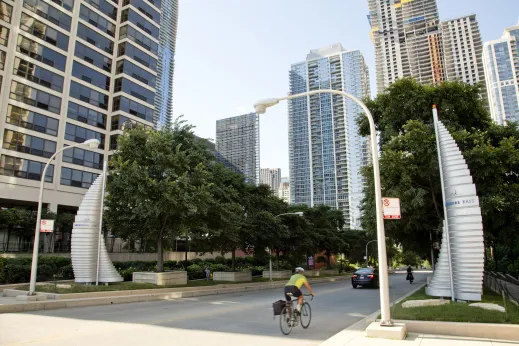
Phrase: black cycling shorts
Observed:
(296, 292)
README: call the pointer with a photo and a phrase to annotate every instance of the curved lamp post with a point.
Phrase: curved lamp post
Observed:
(92, 144)
(298, 213)
(261, 107)
(369, 242)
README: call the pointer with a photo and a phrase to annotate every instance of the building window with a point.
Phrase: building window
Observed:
(104, 7)
(66, 4)
(134, 108)
(138, 55)
(88, 95)
(145, 9)
(83, 157)
(139, 38)
(126, 67)
(32, 121)
(130, 88)
(41, 53)
(26, 169)
(34, 97)
(86, 115)
(90, 76)
(75, 178)
(130, 15)
(80, 134)
(96, 20)
(113, 142)
(48, 12)
(93, 57)
(38, 75)
(95, 38)
(4, 35)
(28, 144)
(2, 59)
(6, 11)
(120, 122)
(43, 31)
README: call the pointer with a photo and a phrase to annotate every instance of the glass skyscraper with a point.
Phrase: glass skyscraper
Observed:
(237, 141)
(501, 63)
(73, 70)
(325, 151)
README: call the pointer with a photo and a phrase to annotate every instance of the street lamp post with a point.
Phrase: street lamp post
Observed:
(371, 241)
(261, 107)
(91, 143)
(298, 213)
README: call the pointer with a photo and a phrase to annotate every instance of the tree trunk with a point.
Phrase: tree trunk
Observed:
(277, 264)
(233, 266)
(160, 257)
(8, 236)
(186, 249)
(328, 255)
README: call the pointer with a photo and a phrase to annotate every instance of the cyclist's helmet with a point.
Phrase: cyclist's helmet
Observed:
(300, 270)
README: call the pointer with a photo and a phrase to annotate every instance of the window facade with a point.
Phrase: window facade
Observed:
(48, 12)
(86, 115)
(97, 20)
(41, 53)
(34, 97)
(93, 57)
(126, 67)
(120, 122)
(83, 157)
(95, 38)
(138, 55)
(131, 15)
(139, 38)
(80, 134)
(6, 11)
(4, 35)
(66, 4)
(121, 103)
(129, 87)
(145, 9)
(89, 75)
(31, 120)
(38, 75)
(26, 169)
(28, 144)
(44, 32)
(85, 94)
(104, 7)
(76, 178)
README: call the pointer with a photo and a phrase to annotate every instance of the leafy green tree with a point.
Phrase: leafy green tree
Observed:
(158, 181)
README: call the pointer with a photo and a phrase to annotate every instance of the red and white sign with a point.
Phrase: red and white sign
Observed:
(47, 226)
(391, 208)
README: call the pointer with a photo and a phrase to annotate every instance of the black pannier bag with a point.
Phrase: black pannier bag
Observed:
(278, 306)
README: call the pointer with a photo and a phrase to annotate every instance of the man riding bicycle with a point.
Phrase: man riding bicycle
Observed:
(293, 287)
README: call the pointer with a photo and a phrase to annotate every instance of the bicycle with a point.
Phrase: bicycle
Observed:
(289, 320)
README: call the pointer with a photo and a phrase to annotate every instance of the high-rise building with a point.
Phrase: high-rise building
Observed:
(463, 50)
(325, 151)
(74, 70)
(284, 190)
(271, 177)
(501, 62)
(237, 140)
(406, 36)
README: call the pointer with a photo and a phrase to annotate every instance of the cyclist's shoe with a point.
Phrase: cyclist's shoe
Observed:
(297, 312)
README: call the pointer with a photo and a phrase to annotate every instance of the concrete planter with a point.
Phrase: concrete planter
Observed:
(329, 271)
(278, 274)
(162, 279)
(233, 276)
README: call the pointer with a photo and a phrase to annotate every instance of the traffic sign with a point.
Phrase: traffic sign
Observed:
(391, 208)
(47, 226)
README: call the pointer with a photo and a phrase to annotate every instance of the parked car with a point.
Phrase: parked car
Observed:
(365, 277)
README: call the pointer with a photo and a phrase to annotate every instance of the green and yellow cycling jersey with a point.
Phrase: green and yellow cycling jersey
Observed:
(297, 280)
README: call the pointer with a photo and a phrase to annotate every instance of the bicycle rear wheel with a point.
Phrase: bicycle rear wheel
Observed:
(306, 315)
(284, 322)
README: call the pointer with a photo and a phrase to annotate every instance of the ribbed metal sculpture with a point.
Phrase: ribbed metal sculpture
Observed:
(459, 272)
(86, 250)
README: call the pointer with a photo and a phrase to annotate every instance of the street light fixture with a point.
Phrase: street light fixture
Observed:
(90, 143)
(261, 108)
(298, 213)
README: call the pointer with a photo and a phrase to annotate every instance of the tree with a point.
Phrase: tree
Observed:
(158, 180)
(409, 165)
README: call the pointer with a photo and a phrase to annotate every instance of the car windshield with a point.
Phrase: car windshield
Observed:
(364, 271)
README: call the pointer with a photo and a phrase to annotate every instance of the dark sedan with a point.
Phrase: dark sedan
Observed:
(365, 277)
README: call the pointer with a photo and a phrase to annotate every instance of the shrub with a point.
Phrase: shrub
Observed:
(3, 262)
(219, 268)
(197, 261)
(17, 273)
(127, 273)
(54, 262)
(220, 260)
(45, 273)
(170, 265)
(195, 272)
(66, 272)
(256, 270)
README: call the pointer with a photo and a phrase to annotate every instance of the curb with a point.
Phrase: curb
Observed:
(137, 296)
(349, 333)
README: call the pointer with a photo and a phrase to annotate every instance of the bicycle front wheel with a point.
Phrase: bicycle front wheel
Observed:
(306, 315)
(285, 322)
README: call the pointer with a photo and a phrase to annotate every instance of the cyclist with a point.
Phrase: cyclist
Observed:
(293, 287)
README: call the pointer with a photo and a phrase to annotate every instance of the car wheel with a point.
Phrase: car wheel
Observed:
(354, 286)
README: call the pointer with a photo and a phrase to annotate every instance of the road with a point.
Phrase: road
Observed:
(232, 319)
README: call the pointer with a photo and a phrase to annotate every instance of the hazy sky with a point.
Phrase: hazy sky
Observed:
(231, 53)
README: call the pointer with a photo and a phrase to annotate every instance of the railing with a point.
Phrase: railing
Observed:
(503, 285)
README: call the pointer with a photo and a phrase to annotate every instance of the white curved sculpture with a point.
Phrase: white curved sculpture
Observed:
(85, 240)
(460, 268)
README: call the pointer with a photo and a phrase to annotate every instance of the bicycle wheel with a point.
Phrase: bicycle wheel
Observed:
(284, 322)
(306, 315)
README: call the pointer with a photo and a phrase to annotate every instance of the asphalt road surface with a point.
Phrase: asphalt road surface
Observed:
(231, 319)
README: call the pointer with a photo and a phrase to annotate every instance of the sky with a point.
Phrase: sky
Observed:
(232, 53)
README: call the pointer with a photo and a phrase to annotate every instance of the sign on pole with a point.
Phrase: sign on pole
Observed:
(47, 226)
(391, 208)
